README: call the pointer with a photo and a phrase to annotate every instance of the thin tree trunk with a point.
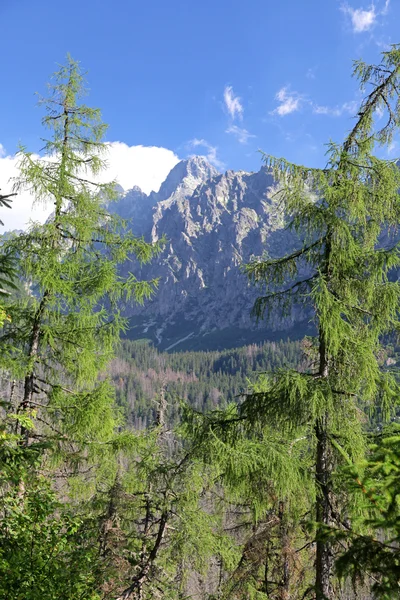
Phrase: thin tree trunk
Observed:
(135, 590)
(29, 382)
(284, 543)
(266, 568)
(323, 472)
(33, 351)
(325, 558)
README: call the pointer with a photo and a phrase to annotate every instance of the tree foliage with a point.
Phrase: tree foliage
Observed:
(344, 216)
(64, 331)
(251, 494)
(60, 417)
(371, 546)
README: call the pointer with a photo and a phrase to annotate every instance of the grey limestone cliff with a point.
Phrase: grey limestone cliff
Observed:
(213, 223)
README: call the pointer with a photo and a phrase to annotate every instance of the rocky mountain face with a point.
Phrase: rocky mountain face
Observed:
(214, 223)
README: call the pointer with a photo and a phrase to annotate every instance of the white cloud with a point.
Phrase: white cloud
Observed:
(2, 151)
(211, 155)
(311, 73)
(233, 103)
(22, 209)
(364, 19)
(241, 134)
(326, 110)
(289, 102)
(336, 111)
(380, 112)
(145, 166)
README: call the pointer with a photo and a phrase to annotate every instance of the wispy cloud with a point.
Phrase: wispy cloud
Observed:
(289, 102)
(240, 133)
(336, 111)
(233, 103)
(234, 107)
(311, 73)
(3, 152)
(364, 19)
(211, 152)
(392, 148)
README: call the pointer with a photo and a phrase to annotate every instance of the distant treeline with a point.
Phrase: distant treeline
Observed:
(204, 379)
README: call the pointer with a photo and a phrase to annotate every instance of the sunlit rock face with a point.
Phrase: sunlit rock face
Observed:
(213, 223)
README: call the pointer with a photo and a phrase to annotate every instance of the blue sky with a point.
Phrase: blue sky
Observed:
(217, 78)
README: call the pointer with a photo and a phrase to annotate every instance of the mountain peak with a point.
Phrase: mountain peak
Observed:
(135, 189)
(187, 174)
(198, 162)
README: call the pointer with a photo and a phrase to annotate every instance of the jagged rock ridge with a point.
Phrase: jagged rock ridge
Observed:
(213, 223)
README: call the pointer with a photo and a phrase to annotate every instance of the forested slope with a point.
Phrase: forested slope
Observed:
(206, 380)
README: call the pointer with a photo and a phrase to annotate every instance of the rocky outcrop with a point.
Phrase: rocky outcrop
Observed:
(214, 223)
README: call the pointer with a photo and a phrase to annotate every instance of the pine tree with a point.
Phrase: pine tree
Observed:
(343, 215)
(61, 422)
(267, 479)
(64, 333)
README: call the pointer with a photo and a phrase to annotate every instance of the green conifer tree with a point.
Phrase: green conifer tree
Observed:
(267, 479)
(60, 420)
(159, 525)
(371, 547)
(64, 333)
(341, 269)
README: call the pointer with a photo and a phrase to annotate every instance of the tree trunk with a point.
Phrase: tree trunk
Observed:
(324, 559)
(284, 543)
(323, 468)
(29, 383)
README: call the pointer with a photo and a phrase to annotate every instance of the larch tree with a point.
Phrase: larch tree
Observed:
(371, 549)
(159, 526)
(345, 218)
(263, 483)
(345, 215)
(64, 333)
(60, 419)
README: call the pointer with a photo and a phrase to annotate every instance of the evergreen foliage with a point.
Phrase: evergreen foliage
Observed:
(60, 423)
(126, 474)
(372, 544)
(268, 475)
(64, 332)
(342, 269)
(205, 380)
(344, 216)
(160, 524)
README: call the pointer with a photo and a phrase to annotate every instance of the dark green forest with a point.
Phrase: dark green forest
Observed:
(264, 472)
(205, 380)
